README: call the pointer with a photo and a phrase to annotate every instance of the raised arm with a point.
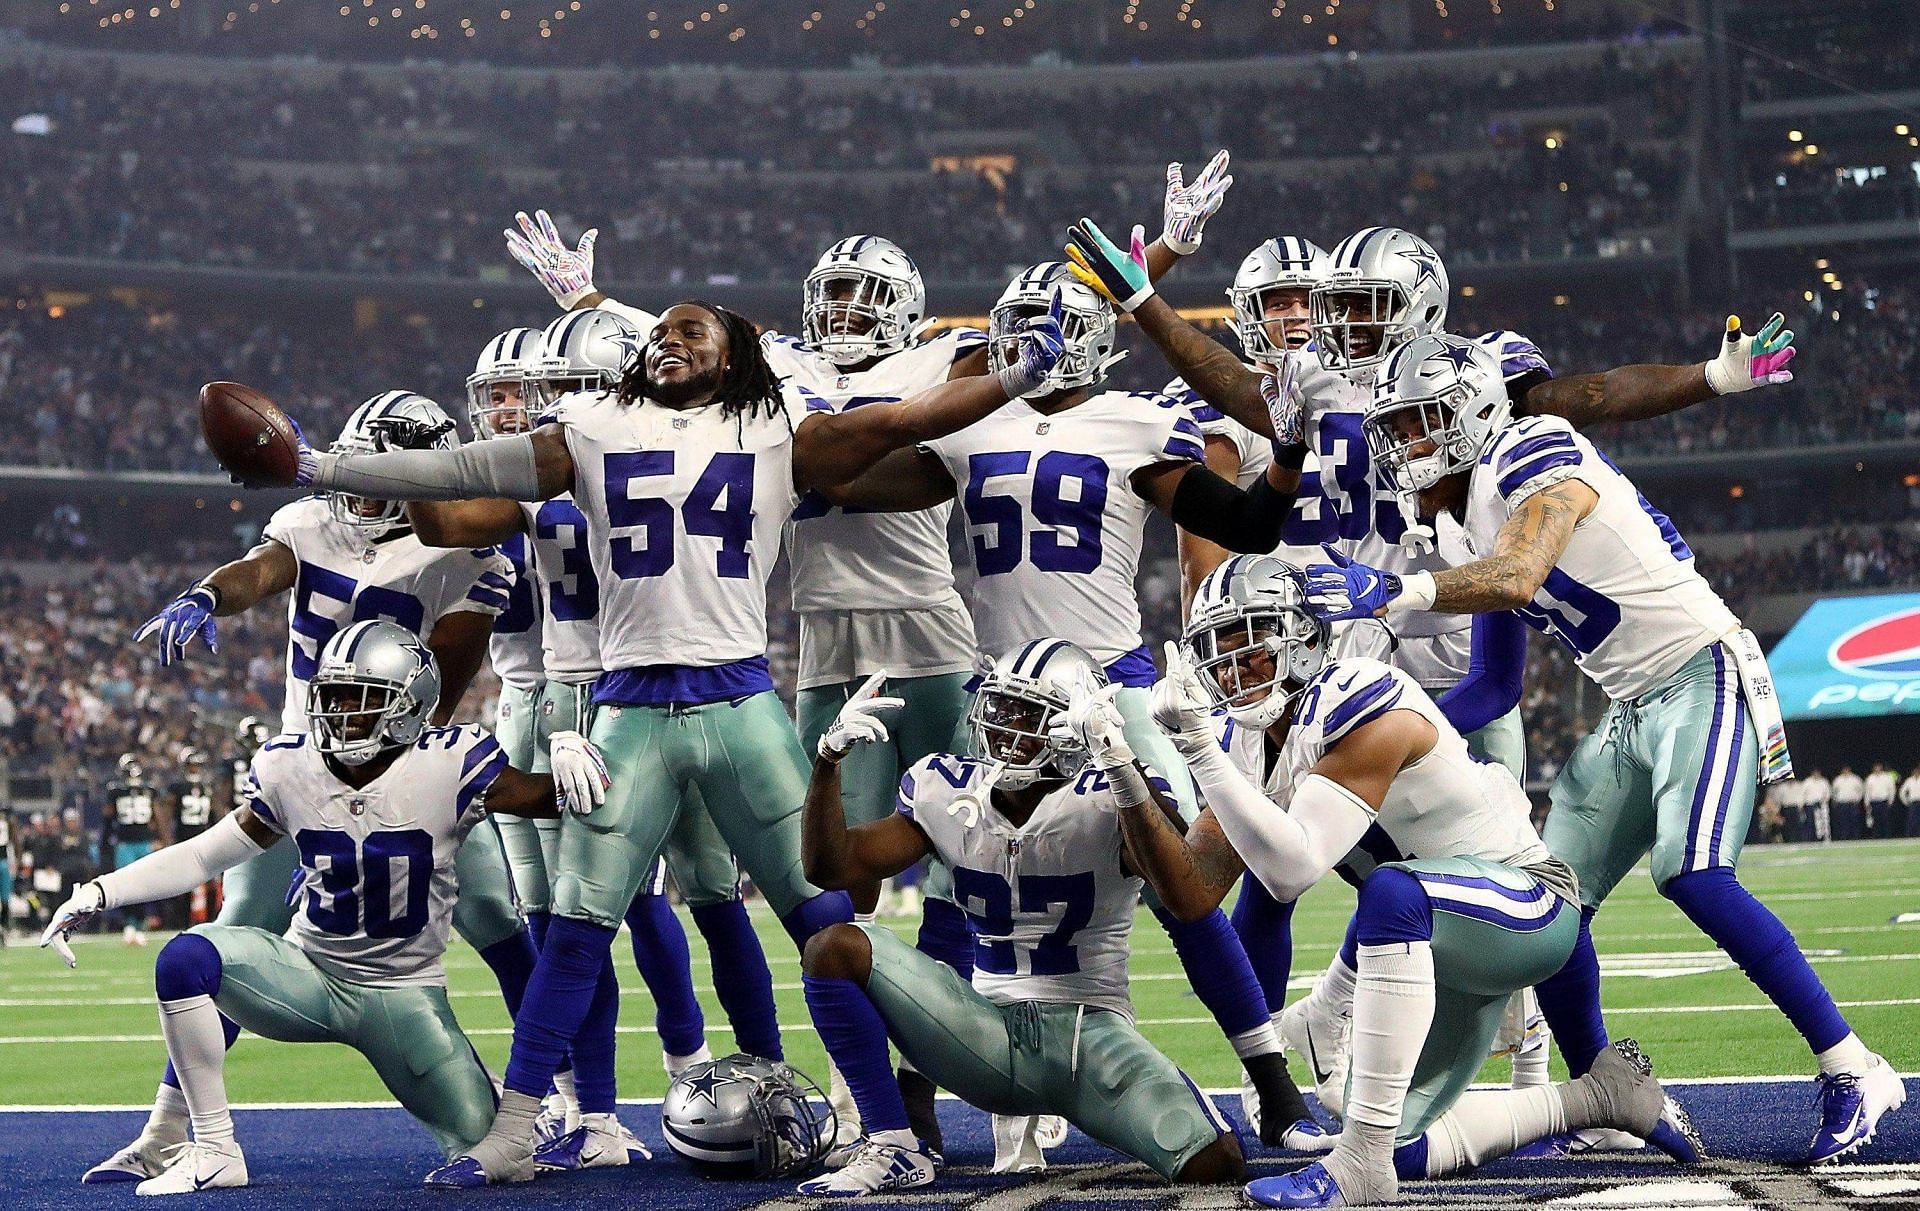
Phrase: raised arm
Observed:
(832, 855)
(229, 589)
(459, 644)
(1639, 392)
(834, 448)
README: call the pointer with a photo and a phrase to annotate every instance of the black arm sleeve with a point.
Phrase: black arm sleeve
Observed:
(1211, 508)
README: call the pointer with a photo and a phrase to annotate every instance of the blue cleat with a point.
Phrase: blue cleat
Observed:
(1676, 1135)
(1851, 1106)
(1546, 1148)
(1312, 1186)
(599, 1142)
(460, 1173)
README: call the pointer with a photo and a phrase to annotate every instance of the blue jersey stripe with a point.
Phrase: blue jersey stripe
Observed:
(487, 597)
(1180, 447)
(1363, 707)
(480, 752)
(477, 785)
(1515, 479)
(1528, 447)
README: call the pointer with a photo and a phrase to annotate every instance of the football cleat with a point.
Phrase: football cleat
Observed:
(1052, 1131)
(145, 1157)
(1676, 1135)
(467, 1171)
(875, 1166)
(1851, 1107)
(1312, 1186)
(196, 1167)
(1321, 1039)
(601, 1141)
(1307, 1136)
(1633, 1088)
(559, 1115)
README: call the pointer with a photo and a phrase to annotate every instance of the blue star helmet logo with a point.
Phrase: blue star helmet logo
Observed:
(421, 655)
(706, 1082)
(1457, 352)
(633, 350)
(1426, 265)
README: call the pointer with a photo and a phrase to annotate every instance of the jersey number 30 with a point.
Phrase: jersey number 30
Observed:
(352, 875)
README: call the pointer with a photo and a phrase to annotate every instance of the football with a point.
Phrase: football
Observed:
(251, 437)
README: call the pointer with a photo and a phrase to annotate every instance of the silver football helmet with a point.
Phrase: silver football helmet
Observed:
(1252, 638)
(1287, 262)
(191, 761)
(1437, 407)
(586, 350)
(375, 689)
(251, 732)
(392, 420)
(742, 1116)
(864, 298)
(1383, 287)
(1087, 324)
(1017, 699)
(508, 361)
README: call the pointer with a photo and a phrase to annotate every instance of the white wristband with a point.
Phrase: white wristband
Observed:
(1416, 593)
(1179, 247)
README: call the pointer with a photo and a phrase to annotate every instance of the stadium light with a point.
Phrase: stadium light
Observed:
(1795, 136)
(1901, 129)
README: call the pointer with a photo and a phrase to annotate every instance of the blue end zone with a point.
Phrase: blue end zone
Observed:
(339, 1158)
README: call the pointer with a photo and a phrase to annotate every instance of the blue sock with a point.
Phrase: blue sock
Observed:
(593, 1046)
(809, 917)
(189, 966)
(1265, 926)
(945, 935)
(1410, 1160)
(1570, 1001)
(1754, 938)
(559, 998)
(746, 994)
(1350, 944)
(512, 959)
(537, 923)
(1393, 908)
(660, 952)
(1217, 968)
(855, 1036)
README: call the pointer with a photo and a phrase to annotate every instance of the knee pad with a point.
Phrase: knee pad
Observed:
(1393, 908)
(811, 916)
(188, 966)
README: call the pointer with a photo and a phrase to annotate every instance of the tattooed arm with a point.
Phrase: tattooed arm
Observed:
(1528, 547)
(1209, 367)
(1190, 874)
(1628, 393)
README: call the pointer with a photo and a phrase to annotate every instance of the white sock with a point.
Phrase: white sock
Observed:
(1489, 1123)
(563, 1083)
(1334, 989)
(168, 1119)
(902, 1137)
(198, 1048)
(1261, 1040)
(840, 1097)
(1392, 1012)
(863, 918)
(1848, 1055)
(1530, 1062)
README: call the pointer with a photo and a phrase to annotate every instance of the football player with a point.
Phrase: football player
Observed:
(872, 590)
(585, 351)
(1551, 530)
(373, 798)
(1045, 1026)
(1056, 489)
(1367, 770)
(127, 827)
(349, 559)
(191, 800)
(685, 476)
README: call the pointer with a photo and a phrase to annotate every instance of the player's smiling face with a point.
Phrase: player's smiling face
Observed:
(506, 409)
(845, 319)
(1286, 318)
(685, 356)
(1355, 308)
(1246, 677)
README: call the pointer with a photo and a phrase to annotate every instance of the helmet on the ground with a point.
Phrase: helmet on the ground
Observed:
(868, 282)
(743, 1116)
(1252, 638)
(392, 420)
(1017, 699)
(375, 689)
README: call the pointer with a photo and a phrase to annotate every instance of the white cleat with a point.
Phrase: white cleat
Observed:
(601, 1141)
(1322, 1040)
(875, 1166)
(1051, 1131)
(198, 1167)
(145, 1157)
(1851, 1107)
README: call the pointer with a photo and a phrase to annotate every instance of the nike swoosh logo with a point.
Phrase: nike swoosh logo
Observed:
(1313, 1060)
(201, 1183)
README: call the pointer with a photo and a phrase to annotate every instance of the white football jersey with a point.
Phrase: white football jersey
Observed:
(1625, 596)
(373, 897)
(515, 649)
(1053, 523)
(568, 589)
(1343, 501)
(1446, 805)
(684, 509)
(344, 577)
(854, 560)
(1050, 903)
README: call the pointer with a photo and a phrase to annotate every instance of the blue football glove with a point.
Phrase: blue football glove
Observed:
(1041, 345)
(1344, 589)
(187, 615)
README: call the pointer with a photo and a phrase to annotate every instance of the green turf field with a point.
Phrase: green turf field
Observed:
(90, 1036)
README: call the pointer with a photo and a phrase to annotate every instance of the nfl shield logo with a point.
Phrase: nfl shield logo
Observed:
(357, 806)
(681, 422)
(1043, 427)
(840, 384)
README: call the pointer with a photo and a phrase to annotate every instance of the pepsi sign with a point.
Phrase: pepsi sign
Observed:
(1849, 657)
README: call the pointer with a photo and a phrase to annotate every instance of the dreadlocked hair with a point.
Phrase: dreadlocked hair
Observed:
(748, 386)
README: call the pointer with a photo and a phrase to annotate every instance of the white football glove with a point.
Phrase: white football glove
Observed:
(1188, 207)
(86, 900)
(1182, 708)
(858, 721)
(1746, 362)
(1286, 403)
(580, 778)
(1092, 724)
(567, 273)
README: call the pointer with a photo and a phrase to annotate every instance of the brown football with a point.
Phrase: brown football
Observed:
(251, 438)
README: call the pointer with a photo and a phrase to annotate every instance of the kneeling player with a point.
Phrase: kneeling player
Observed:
(1360, 757)
(377, 802)
(1046, 1026)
